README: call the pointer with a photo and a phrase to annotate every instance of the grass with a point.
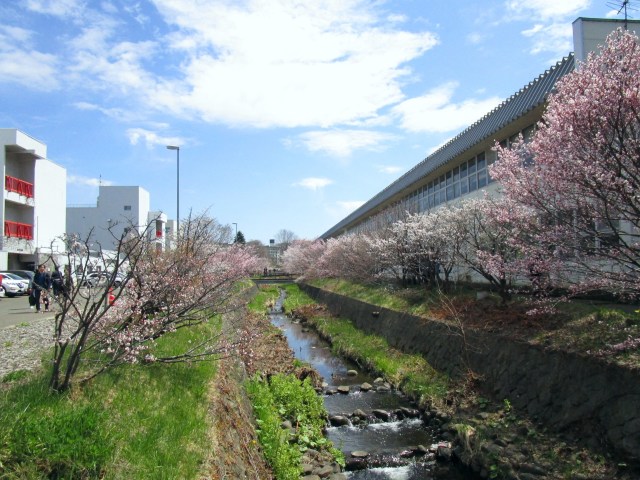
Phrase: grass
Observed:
(583, 326)
(410, 372)
(143, 422)
(286, 398)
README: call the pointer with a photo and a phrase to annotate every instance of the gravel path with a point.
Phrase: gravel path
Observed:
(21, 346)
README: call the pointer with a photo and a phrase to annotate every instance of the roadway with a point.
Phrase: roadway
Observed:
(15, 310)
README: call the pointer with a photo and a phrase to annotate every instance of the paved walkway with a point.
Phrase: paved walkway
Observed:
(16, 311)
(24, 335)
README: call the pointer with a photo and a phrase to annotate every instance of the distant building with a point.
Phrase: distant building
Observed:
(33, 202)
(118, 209)
(458, 169)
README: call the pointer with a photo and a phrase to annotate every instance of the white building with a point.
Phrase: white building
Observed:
(118, 209)
(33, 202)
(458, 169)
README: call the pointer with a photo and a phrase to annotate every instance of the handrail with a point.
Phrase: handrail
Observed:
(21, 187)
(19, 230)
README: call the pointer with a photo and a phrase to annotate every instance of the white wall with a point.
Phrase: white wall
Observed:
(590, 33)
(50, 195)
(110, 212)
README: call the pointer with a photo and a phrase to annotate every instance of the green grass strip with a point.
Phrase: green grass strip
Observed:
(143, 422)
(410, 372)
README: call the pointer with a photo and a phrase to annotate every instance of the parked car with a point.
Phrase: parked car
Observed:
(95, 279)
(25, 274)
(14, 285)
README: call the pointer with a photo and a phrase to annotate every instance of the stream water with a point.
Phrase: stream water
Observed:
(387, 435)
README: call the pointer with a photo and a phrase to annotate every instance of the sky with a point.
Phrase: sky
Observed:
(289, 114)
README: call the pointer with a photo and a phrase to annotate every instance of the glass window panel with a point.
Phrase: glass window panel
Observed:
(441, 181)
(443, 195)
(456, 189)
(482, 178)
(456, 174)
(481, 161)
(430, 188)
(464, 186)
(472, 166)
(450, 192)
(527, 133)
(449, 178)
(463, 170)
(473, 183)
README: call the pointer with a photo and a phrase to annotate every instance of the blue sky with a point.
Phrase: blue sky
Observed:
(289, 113)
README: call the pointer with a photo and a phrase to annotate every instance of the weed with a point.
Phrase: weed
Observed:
(15, 376)
(282, 398)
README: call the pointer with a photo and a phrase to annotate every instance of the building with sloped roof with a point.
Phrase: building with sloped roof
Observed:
(458, 169)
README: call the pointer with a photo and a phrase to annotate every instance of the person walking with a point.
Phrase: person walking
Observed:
(41, 282)
(57, 283)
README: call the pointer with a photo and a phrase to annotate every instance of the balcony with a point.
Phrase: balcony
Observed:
(13, 184)
(18, 230)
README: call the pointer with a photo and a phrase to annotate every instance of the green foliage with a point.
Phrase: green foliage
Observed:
(137, 421)
(285, 397)
(266, 294)
(410, 372)
(295, 297)
(15, 376)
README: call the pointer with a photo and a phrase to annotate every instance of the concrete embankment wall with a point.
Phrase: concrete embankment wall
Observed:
(565, 391)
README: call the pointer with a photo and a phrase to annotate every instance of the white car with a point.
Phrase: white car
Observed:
(14, 285)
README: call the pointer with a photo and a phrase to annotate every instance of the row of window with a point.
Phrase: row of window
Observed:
(461, 180)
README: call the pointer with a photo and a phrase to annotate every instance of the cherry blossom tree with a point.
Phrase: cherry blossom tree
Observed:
(485, 243)
(302, 257)
(350, 257)
(160, 293)
(580, 174)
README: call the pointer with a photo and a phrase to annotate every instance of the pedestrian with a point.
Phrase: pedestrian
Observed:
(41, 282)
(57, 283)
(45, 300)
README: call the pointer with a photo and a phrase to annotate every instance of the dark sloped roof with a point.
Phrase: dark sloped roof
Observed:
(517, 105)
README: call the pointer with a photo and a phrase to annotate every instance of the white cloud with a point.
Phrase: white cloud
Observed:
(475, 38)
(545, 9)
(349, 206)
(390, 169)
(58, 8)
(87, 181)
(287, 63)
(21, 63)
(151, 139)
(313, 183)
(555, 38)
(435, 111)
(552, 31)
(29, 68)
(341, 143)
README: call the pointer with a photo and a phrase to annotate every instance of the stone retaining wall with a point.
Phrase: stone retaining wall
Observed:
(597, 400)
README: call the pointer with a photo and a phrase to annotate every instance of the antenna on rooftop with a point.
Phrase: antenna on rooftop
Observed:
(625, 5)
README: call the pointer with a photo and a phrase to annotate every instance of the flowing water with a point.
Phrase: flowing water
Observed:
(389, 437)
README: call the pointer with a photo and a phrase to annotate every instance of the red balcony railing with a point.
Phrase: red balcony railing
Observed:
(21, 187)
(18, 230)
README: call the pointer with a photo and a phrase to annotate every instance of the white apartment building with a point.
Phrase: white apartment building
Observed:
(33, 202)
(118, 209)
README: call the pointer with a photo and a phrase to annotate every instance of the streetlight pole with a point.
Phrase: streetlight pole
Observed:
(177, 149)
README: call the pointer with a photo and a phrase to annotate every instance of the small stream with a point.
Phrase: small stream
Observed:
(387, 425)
